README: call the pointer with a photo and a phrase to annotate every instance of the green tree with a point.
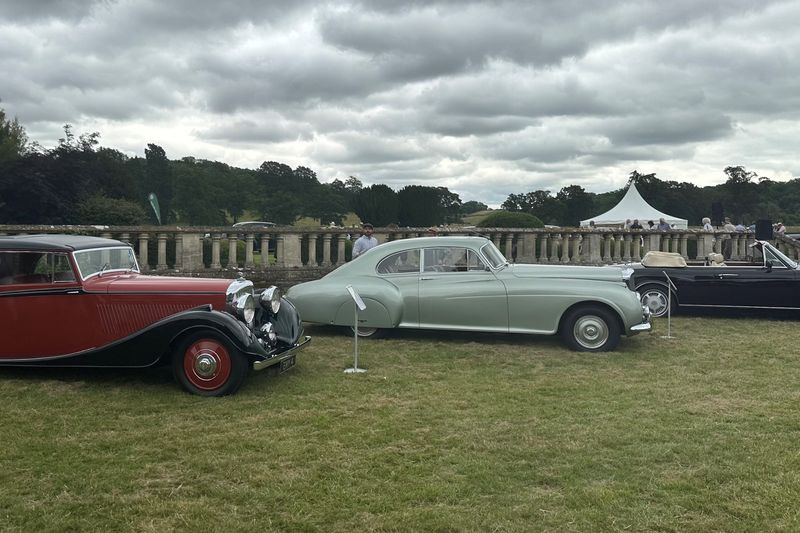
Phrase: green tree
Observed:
(110, 211)
(378, 204)
(472, 206)
(578, 204)
(13, 139)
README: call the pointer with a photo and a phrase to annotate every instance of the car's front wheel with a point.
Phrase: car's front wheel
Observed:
(590, 328)
(656, 298)
(206, 364)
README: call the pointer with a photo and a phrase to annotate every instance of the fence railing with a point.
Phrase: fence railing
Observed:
(202, 249)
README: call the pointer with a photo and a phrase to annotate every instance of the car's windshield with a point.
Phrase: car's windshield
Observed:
(91, 262)
(493, 255)
(773, 253)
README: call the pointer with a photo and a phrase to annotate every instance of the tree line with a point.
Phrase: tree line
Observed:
(80, 182)
(744, 197)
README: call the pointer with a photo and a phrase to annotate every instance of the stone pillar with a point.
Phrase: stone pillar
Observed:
(162, 251)
(233, 261)
(249, 261)
(265, 250)
(575, 242)
(291, 250)
(636, 248)
(327, 260)
(178, 251)
(565, 247)
(340, 240)
(509, 252)
(627, 240)
(616, 255)
(684, 244)
(543, 254)
(312, 249)
(215, 252)
(558, 241)
(280, 254)
(144, 260)
(191, 254)
(607, 239)
(653, 242)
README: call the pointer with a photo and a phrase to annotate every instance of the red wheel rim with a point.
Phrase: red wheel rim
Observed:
(207, 364)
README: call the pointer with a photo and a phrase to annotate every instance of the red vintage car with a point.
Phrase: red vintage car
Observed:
(80, 301)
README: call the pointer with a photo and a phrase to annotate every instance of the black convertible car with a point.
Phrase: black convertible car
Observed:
(770, 280)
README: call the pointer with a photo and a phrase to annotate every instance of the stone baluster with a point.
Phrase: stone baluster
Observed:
(327, 260)
(616, 255)
(653, 242)
(684, 245)
(527, 243)
(162, 251)
(312, 249)
(265, 250)
(627, 241)
(575, 242)
(340, 248)
(558, 240)
(495, 237)
(280, 255)
(607, 239)
(543, 253)
(509, 242)
(233, 261)
(665, 239)
(179, 262)
(143, 258)
(636, 248)
(215, 252)
(705, 245)
(565, 237)
(249, 240)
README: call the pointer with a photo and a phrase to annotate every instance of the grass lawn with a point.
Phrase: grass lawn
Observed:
(445, 432)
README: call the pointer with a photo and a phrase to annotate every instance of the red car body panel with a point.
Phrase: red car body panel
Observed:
(47, 321)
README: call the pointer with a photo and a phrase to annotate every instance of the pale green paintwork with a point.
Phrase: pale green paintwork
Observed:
(511, 298)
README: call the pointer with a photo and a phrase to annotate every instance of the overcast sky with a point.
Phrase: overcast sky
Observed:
(486, 98)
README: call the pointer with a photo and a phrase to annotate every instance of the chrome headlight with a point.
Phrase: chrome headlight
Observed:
(239, 301)
(271, 299)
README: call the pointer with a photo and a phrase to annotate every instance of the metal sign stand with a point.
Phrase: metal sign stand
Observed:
(359, 306)
(670, 287)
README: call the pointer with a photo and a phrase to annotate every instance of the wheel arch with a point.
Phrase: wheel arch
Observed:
(592, 303)
(661, 283)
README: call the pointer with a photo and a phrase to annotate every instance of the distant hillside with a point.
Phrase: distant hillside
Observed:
(474, 218)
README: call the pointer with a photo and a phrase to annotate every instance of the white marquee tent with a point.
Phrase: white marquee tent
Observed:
(632, 206)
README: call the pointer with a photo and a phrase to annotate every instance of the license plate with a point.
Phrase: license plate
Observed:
(287, 363)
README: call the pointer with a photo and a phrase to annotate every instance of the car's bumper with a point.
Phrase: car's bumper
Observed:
(638, 328)
(645, 325)
(282, 356)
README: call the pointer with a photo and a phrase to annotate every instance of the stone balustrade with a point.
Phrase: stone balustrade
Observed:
(309, 253)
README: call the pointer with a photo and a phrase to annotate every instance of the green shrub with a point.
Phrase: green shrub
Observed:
(110, 212)
(508, 219)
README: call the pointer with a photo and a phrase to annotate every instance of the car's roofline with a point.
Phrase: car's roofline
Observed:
(57, 242)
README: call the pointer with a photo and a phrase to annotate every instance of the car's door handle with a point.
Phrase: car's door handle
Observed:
(73, 292)
(720, 276)
(425, 278)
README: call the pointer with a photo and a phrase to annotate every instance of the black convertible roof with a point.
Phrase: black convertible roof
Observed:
(54, 243)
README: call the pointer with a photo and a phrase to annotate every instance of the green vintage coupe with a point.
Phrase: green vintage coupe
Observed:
(465, 283)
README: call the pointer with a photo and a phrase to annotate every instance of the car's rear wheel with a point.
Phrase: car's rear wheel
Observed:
(590, 329)
(207, 364)
(371, 333)
(656, 298)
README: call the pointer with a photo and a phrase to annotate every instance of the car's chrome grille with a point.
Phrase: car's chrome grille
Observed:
(120, 320)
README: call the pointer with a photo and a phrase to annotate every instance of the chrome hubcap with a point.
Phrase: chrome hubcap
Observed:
(205, 365)
(656, 301)
(591, 331)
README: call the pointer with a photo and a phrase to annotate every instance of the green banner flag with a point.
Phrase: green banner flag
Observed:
(154, 203)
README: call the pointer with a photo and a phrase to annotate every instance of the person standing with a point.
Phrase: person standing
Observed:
(727, 242)
(635, 224)
(366, 241)
(663, 225)
(707, 224)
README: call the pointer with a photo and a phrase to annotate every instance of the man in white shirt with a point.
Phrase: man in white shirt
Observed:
(365, 242)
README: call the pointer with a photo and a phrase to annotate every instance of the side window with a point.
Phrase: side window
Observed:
(401, 262)
(33, 267)
(452, 259)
